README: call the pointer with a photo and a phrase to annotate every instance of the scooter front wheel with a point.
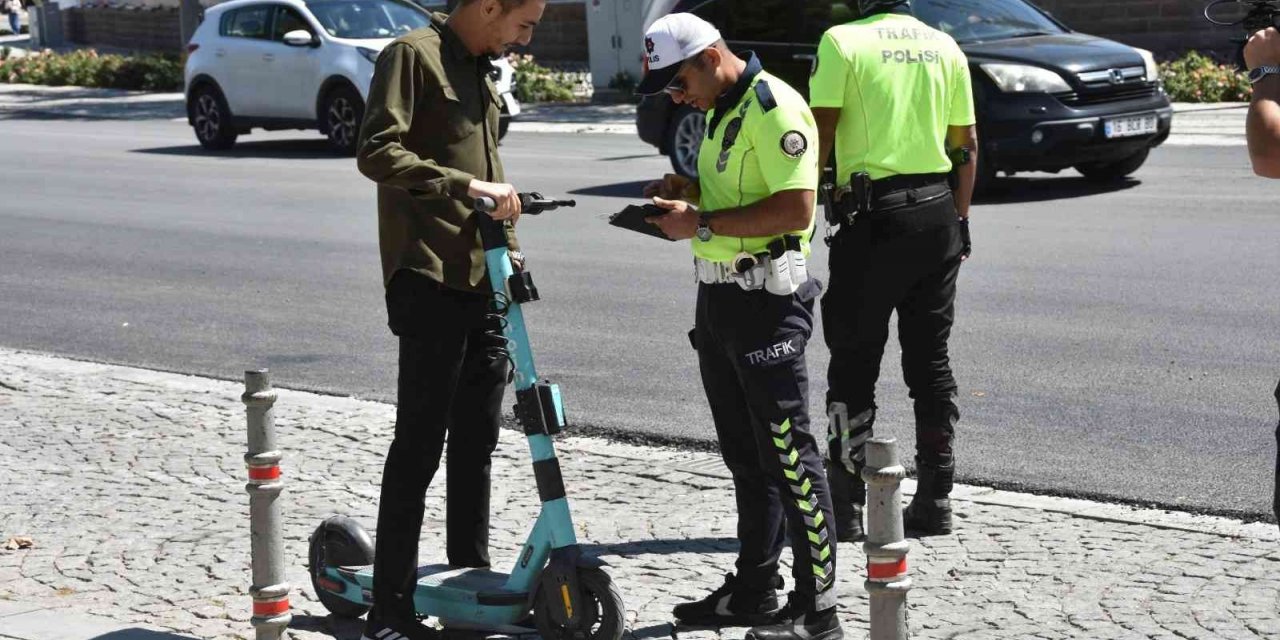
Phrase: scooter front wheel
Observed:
(603, 615)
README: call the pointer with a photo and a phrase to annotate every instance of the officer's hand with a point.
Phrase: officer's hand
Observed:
(670, 187)
(680, 221)
(505, 195)
(1262, 49)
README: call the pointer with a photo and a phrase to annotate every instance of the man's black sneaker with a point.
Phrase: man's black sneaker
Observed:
(810, 625)
(733, 605)
(396, 629)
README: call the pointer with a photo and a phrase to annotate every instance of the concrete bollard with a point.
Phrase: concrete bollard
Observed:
(269, 590)
(887, 580)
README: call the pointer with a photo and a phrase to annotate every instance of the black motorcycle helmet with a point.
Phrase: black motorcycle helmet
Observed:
(867, 8)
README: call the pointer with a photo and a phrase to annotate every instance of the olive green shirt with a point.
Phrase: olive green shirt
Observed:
(430, 128)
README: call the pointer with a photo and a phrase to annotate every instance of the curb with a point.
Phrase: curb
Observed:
(709, 465)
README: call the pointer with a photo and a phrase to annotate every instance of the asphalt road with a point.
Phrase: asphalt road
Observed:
(1119, 343)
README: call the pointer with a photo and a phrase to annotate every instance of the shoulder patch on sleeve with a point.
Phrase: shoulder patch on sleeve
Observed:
(794, 144)
(765, 94)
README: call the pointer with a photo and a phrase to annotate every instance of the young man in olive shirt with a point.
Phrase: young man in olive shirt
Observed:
(430, 141)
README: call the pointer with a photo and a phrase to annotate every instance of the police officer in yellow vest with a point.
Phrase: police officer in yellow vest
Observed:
(892, 96)
(750, 218)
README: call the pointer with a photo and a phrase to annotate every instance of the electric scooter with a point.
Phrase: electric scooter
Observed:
(568, 594)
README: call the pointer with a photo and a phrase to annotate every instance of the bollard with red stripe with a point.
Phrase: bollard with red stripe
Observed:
(887, 581)
(269, 590)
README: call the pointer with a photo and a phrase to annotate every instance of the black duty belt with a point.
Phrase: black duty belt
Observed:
(886, 186)
(864, 196)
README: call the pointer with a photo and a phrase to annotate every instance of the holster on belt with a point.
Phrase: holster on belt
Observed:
(865, 196)
(854, 199)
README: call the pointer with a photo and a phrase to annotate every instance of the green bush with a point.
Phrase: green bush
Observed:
(623, 81)
(1198, 78)
(86, 68)
(536, 83)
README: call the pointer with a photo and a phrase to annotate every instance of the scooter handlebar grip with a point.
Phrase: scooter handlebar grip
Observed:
(485, 205)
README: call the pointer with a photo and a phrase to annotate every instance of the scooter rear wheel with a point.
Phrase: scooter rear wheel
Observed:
(603, 616)
(338, 542)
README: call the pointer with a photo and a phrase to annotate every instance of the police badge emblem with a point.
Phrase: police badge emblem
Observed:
(794, 144)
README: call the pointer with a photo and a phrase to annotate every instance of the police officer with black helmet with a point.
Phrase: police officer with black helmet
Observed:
(893, 100)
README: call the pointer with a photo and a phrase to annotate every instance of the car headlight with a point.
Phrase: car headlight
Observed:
(1021, 78)
(369, 54)
(1149, 59)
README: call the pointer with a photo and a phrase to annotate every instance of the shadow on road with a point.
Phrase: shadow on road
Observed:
(1041, 189)
(339, 628)
(663, 547)
(1004, 191)
(617, 190)
(141, 634)
(304, 149)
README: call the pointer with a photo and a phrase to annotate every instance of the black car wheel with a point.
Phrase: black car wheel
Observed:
(343, 112)
(684, 139)
(1114, 171)
(211, 118)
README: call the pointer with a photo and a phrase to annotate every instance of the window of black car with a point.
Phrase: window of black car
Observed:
(820, 16)
(750, 21)
(247, 22)
(366, 19)
(288, 19)
(967, 21)
(981, 20)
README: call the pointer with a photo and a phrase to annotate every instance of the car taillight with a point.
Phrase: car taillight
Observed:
(191, 48)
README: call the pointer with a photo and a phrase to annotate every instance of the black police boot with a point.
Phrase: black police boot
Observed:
(733, 605)
(929, 513)
(848, 495)
(798, 621)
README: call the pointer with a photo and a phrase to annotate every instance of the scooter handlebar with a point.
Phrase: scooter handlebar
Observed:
(530, 203)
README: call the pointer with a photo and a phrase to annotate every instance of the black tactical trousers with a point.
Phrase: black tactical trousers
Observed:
(905, 260)
(751, 348)
(453, 372)
(1275, 497)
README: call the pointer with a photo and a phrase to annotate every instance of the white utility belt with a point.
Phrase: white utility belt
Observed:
(780, 271)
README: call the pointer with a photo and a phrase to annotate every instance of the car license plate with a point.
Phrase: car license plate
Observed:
(1134, 126)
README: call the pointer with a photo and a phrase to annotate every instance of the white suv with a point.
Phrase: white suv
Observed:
(290, 64)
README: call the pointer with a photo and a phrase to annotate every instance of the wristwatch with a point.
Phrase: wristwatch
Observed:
(704, 227)
(1259, 73)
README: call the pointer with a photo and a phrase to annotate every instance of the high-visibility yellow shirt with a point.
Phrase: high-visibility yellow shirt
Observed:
(899, 85)
(761, 139)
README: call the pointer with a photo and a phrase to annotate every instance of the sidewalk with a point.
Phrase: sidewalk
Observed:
(1193, 125)
(25, 100)
(130, 484)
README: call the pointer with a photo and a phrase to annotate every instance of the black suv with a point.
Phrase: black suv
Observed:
(1047, 98)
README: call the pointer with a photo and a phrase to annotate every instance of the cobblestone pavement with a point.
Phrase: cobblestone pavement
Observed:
(131, 485)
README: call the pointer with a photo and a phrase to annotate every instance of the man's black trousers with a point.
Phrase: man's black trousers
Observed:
(751, 347)
(453, 371)
(906, 260)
